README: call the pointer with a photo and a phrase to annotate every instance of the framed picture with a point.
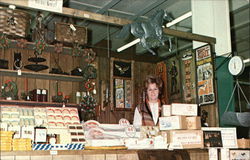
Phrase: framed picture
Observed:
(228, 135)
(122, 69)
(205, 74)
(212, 138)
(173, 80)
(121, 84)
(40, 135)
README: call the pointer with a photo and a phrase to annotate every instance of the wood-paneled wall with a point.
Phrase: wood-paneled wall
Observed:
(141, 70)
(66, 62)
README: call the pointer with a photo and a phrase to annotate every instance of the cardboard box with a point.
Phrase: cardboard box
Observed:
(181, 109)
(239, 154)
(243, 143)
(166, 110)
(172, 122)
(181, 139)
(193, 122)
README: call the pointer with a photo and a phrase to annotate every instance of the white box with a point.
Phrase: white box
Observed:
(181, 109)
(28, 132)
(16, 130)
(3, 126)
(239, 154)
(172, 122)
(166, 110)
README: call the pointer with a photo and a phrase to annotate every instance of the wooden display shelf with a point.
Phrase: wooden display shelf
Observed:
(7, 72)
(34, 103)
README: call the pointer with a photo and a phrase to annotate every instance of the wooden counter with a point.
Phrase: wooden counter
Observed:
(97, 155)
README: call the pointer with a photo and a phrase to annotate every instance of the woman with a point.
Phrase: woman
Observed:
(148, 113)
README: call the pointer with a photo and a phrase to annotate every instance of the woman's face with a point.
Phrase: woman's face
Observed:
(152, 92)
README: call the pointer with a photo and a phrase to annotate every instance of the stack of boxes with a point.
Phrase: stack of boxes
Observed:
(61, 117)
(40, 117)
(20, 122)
(6, 140)
(182, 125)
(76, 133)
(10, 115)
(22, 144)
(27, 117)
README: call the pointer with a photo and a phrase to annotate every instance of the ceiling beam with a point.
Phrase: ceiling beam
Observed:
(103, 10)
(190, 36)
(75, 13)
(148, 8)
(238, 10)
(113, 20)
(98, 8)
(108, 6)
(242, 39)
(239, 26)
(140, 14)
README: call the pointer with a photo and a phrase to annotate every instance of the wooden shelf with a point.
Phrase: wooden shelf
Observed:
(49, 76)
(34, 103)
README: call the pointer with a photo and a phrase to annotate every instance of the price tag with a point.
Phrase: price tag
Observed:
(130, 131)
(19, 72)
(213, 153)
(175, 145)
(53, 152)
(124, 122)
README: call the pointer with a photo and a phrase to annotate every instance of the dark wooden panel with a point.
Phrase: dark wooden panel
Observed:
(163, 154)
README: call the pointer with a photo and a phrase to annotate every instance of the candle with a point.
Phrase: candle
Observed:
(26, 85)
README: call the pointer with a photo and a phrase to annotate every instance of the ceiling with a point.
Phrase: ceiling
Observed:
(140, 10)
(133, 10)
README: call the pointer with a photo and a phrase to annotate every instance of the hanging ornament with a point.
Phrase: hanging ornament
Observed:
(4, 41)
(58, 47)
(9, 89)
(40, 46)
(22, 43)
(89, 85)
(89, 54)
(89, 72)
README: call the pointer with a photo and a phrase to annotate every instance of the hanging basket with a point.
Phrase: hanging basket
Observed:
(63, 33)
(236, 118)
(14, 22)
